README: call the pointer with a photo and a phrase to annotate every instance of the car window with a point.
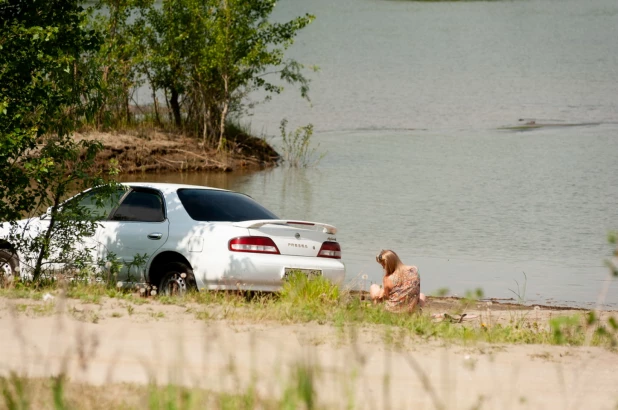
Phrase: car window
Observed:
(213, 205)
(96, 203)
(141, 206)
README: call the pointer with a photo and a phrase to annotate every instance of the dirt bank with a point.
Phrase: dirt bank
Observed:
(156, 151)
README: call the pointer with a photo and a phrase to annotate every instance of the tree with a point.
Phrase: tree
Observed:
(164, 32)
(118, 60)
(44, 92)
(209, 54)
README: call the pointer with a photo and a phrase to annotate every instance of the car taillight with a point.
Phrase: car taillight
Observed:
(330, 250)
(256, 244)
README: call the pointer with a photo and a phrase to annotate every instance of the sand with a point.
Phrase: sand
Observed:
(369, 367)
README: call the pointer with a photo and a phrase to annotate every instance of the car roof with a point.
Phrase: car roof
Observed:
(167, 187)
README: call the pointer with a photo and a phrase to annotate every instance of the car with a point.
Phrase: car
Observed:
(190, 236)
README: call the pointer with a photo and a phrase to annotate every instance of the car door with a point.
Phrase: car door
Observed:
(97, 204)
(135, 231)
(94, 205)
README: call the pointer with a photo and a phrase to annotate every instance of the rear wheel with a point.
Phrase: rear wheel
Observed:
(8, 267)
(177, 280)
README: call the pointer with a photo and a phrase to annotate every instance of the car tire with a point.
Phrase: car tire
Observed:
(8, 267)
(177, 280)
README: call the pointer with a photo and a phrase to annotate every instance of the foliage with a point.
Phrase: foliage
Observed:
(296, 150)
(44, 93)
(118, 62)
(40, 90)
(205, 57)
(69, 166)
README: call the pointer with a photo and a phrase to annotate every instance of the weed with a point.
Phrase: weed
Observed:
(521, 292)
(543, 356)
(15, 392)
(300, 288)
(157, 315)
(43, 310)
(441, 292)
(171, 397)
(203, 316)
(296, 151)
(58, 393)
(94, 317)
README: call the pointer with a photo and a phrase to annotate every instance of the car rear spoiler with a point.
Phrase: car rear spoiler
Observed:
(261, 222)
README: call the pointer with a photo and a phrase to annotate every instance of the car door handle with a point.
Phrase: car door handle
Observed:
(155, 236)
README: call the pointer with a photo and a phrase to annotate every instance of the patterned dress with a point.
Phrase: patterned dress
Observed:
(406, 290)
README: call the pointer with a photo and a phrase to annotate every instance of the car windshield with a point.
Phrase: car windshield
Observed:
(213, 205)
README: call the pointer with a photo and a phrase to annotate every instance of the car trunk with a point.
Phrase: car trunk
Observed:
(295, 239)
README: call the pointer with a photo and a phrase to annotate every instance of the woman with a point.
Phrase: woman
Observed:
(402, 285)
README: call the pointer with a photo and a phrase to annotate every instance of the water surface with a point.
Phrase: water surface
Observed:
(407, 106)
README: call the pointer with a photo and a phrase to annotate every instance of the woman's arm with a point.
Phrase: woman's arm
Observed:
(388, 286)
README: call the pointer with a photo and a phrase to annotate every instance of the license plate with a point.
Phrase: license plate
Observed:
(309, 272)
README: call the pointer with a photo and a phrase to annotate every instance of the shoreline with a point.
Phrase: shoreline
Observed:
(508, 304)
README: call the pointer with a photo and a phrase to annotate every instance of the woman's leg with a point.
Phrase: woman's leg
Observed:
(422, 299)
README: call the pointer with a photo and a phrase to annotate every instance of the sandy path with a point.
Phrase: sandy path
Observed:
(352, 365)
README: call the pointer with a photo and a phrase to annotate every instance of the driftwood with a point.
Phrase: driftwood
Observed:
(221, 164)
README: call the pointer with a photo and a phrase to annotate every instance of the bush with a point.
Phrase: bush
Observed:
(300, 289)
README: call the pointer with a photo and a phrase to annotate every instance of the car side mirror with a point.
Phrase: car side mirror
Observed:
(47, 213)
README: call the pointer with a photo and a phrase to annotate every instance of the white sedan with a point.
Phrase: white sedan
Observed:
(195, 236)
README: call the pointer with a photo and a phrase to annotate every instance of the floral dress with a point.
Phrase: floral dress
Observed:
(406, 290)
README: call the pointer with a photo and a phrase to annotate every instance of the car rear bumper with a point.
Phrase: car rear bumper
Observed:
(249, 271)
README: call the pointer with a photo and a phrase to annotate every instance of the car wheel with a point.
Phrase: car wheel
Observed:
(8, 267)
(177, 279)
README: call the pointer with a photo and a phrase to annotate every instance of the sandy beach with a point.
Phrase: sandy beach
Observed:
(364, 367)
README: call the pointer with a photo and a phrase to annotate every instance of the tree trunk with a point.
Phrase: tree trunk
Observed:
(127, 109)
(175, 107)
(154, 99)
(38, 267)
(205, 130)
(222, 126)
(226, 104)
(167, 104)
(101, 112)
(156, 110)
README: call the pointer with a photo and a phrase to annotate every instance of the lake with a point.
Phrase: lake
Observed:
(408, 106)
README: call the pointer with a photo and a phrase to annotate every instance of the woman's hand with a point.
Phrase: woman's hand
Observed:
(380, 293)
(376, 292)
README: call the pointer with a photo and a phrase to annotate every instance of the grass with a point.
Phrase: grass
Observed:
(304, 299)
(59, 393)
(301, 300)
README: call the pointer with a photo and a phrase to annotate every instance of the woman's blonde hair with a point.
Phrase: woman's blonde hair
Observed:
(390, 259)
